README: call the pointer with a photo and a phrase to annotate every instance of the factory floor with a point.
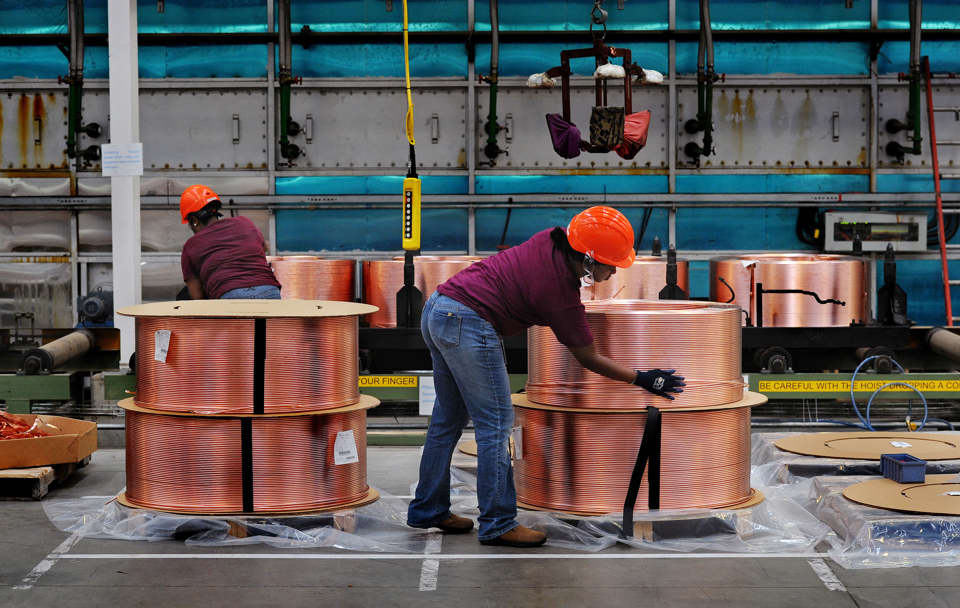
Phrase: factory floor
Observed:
(41, 566)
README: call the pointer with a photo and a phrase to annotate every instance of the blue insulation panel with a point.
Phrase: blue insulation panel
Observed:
(332, 230)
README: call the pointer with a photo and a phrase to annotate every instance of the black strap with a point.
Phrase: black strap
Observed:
(259, 362)
(649, 451)
(246, 463)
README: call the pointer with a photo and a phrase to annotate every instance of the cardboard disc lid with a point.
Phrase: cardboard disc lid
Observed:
(248, 309)
(750, 399)
(867, 445)
(937, 495)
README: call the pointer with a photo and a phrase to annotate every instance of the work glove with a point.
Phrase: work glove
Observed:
(660, 382)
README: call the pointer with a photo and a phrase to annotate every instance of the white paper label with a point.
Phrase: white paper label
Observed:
(161, 345)
(952, 493)
(516, 433)
(121, 159)
(427, 394)
(901, 444)
(345, 448)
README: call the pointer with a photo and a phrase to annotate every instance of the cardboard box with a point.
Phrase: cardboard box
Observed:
(68, 440)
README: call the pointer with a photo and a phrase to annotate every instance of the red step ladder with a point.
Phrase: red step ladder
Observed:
(937, 176)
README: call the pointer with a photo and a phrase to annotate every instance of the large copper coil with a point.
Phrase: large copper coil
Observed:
(310, 364)
(642, 281)
(194, 464)
(581, 461)
(306, 277)
(837, 277)
(382, 279)
(701, 340)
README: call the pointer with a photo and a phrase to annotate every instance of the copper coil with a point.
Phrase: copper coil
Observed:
(838, 277)
(701, 340)
(382, 279)
(306, 277)
(193, 464)
(642, 281)
(311, 364)
(582, 461)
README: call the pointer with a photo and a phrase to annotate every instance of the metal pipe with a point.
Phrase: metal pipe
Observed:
(287, 150)
(75, 75)
(916, 77)
(56, 353)
(492, 150)
(945, 343)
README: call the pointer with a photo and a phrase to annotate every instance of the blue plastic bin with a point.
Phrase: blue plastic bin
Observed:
(903, 468)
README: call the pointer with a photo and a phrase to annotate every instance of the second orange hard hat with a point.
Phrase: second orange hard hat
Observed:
(604, 234)
(195, 198)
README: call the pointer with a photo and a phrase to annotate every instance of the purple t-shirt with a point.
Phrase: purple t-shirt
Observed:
(228, 254)
(529, 284)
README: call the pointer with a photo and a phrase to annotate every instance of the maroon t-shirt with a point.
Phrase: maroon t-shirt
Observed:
(529, 284)
(228, 254)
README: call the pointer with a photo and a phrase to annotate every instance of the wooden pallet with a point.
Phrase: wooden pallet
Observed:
(34, 483)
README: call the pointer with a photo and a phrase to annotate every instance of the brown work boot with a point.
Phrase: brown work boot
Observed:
(521, 536)
(455, 525)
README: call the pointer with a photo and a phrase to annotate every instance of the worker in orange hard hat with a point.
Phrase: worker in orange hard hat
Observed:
(535, 283)
(225, 258)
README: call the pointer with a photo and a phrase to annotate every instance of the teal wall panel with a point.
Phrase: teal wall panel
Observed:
(379, 60)
(373, 16)
(705, 184)
(368, 184)
(572, 15)
(937, 14)
(565, 184)
(778, 57)
(523, 59)
(759, 228)
(367, 229)
(776, 14)
(921, 279)
(894, 57)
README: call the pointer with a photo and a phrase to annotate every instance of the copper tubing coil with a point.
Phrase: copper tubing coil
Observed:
(306, 277)
(701, 340)
(382, 279)
(581, 461)
(838, 277)
(193, 464)
(642, 281)
(311, 364)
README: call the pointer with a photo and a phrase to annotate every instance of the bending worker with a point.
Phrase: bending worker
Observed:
(535, 283)
(225, 258)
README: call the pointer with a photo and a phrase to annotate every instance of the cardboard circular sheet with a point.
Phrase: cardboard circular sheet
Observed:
(937, 495)
(366, 402)
(248, 309)
(371, 497)
(755, 498)
(867, 445)
(750, 399)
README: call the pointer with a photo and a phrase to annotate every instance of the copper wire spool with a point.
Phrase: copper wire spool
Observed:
(306, 277)
(838, 277)
(193, 464)
(701, 340)
(642, 281)
(382, 279)
(581, 462)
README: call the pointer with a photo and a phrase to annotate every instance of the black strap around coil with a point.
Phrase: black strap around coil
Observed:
(246, 463)
(649, 453)
(259, 362)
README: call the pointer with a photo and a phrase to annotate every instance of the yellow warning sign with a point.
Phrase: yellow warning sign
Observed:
(388, 381)
(863, 386)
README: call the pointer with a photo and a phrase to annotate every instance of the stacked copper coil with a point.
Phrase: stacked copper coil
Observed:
(307, 277)
(701, 339)
(247, 406)
(310, 364)
(581, 432)
(382, 279)
(837, 277)
(642, 281)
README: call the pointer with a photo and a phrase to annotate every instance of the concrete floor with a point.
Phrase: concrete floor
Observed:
(36, 568)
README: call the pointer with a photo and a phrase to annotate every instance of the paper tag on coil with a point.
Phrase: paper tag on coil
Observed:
(901, 444)
(161, 345)
(345, 448)
(516, 436)
(952, 493)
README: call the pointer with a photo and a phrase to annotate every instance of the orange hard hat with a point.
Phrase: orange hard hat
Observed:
(195, 198)
(604, 234)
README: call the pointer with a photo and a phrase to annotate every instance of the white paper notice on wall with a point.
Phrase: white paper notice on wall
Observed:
(161, 345)
(427, 394)
(119, 160)
(345, 448)
(516, 434)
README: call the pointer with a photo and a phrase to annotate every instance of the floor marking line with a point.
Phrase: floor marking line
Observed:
(826, 574)
(440, 556)
(430, 570)
(48, 562)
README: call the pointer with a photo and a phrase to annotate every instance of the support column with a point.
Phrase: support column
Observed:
(124, 190)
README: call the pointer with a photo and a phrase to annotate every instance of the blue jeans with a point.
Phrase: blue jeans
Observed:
(259, 292)
(470, 377)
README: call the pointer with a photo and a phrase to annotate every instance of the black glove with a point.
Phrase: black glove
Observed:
(660, 382)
